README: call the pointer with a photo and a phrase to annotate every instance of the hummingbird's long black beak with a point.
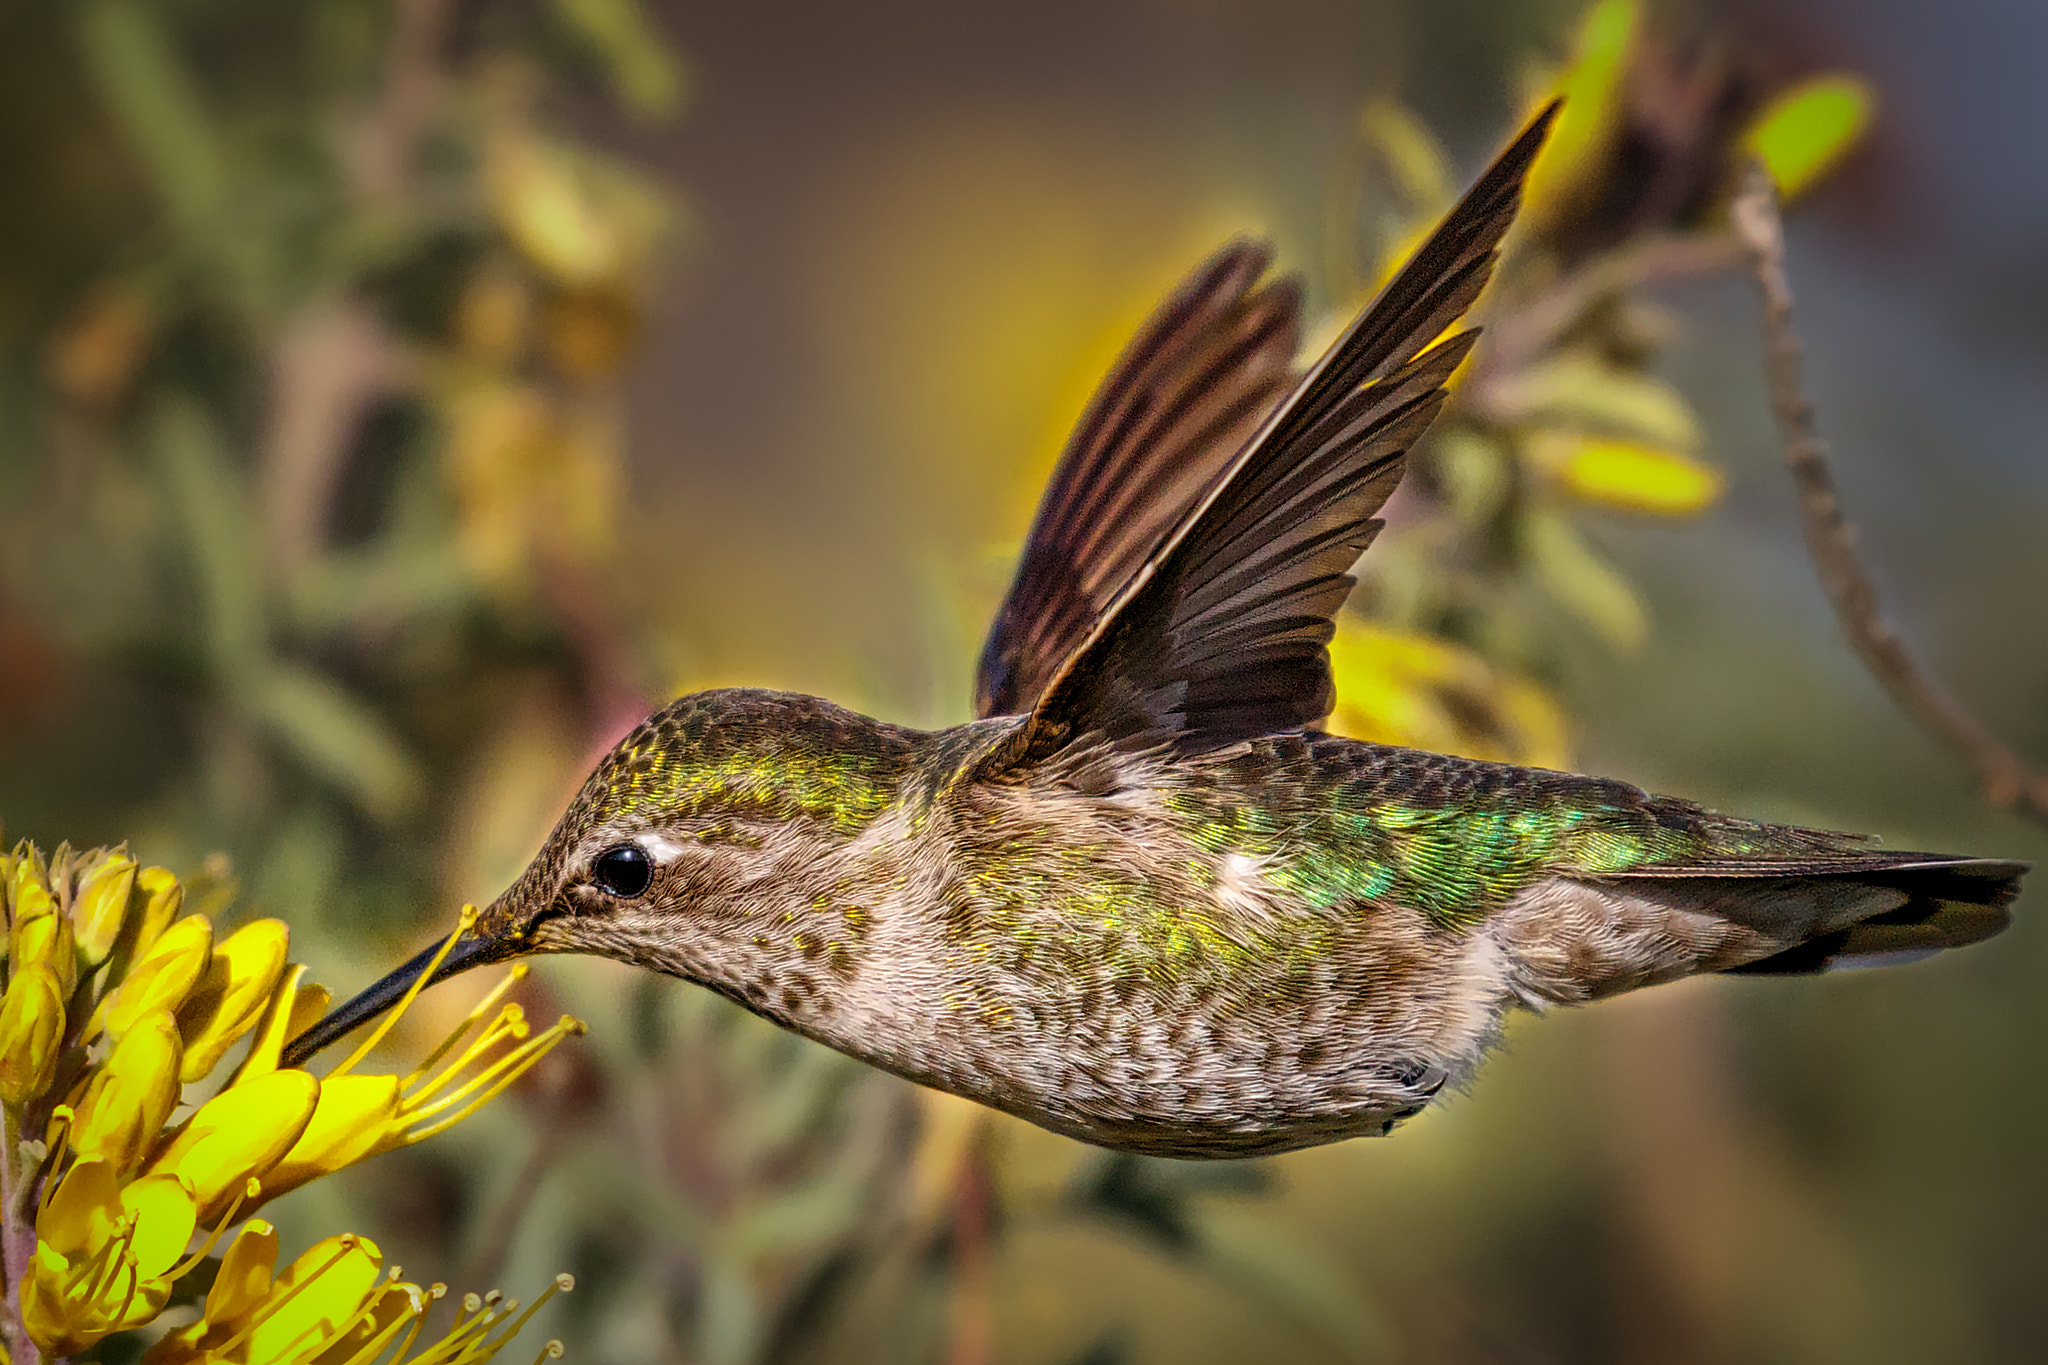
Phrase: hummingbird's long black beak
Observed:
(471, 950)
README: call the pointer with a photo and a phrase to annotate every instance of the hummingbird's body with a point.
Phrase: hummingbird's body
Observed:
(1144, 901)
(1298, 940)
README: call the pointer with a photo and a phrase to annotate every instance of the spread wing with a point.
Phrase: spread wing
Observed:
(1222, 634)
(1181, 401)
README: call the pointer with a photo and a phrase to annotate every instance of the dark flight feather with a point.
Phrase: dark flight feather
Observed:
(1181, 401)
(1223, 634)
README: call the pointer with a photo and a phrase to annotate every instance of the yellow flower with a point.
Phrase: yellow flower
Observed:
(335, 1306)
(102, 969)
(103, 1256)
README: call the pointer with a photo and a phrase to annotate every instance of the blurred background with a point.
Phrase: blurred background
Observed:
(399, 398)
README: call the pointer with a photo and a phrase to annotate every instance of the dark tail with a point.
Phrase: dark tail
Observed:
(1943, 903)
(1580, 939)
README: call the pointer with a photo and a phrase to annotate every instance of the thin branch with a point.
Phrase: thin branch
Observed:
(335, 358)
(2010, 782)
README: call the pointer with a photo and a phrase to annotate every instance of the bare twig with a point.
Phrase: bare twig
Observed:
(1515, 337)
(334, 358)
(17, 1241)
(2010, 782)
(385, 139)
(329, 365)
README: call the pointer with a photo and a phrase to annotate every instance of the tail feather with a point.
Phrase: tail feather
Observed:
(1947, 903)
(1583, 938)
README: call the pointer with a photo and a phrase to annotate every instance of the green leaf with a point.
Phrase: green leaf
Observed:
(220, 537)
(1808, 129)
(1587, 585)
(1414, 159)
(1581, 392)
(1249, 1249)
(643, 71)
(157, 107)
(339, 738)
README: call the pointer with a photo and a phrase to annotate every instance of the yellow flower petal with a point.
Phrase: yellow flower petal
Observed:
(161, 977)
(1639, 478)
(83, 1209)
(31, 1032)
(132, 1095)
(357, 1117)
(101, 908)
(164, 1219)
(244, 1277)
(548, 212)
(1806, 131)
(239, 1133)
(231, 993)
(46, 1311)
(291, 1010)
(331, 1281)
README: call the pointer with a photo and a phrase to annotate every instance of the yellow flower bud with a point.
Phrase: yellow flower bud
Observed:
(31, 1032)
(131, 1096)
(160, 979)
(25, 869)
(231, 994)
(163, 898)
(239, 1133)
(243, 1280)
(101, 909)
(40, 934)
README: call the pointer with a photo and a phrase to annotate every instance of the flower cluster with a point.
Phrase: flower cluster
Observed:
(127, 1157)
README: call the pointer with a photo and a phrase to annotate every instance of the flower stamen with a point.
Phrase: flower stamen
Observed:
(509, 1023)
(497, 1077)
(518, 973)
(463, 925)
(250, 1189)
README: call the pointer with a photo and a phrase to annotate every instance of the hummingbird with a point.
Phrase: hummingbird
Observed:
(1143, 899)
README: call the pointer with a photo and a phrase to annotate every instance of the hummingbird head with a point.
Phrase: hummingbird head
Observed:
(685, 844)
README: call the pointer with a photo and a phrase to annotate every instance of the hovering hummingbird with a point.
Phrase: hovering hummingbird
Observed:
(1144, 900)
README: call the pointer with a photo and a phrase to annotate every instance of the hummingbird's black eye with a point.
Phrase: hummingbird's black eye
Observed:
(624, 871)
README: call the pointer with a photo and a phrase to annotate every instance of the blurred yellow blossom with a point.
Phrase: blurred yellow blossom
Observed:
(1397, 687)
(1806, 131)
(1592, 85)
(138, 1002)
(1637, 478)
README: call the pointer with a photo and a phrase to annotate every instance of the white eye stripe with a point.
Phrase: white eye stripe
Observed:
(657, 846)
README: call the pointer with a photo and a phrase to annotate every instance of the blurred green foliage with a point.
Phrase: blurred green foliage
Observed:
(316, 551)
